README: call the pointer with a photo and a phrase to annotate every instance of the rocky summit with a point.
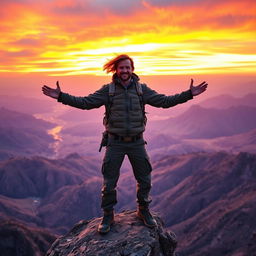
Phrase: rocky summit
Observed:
(128, 237)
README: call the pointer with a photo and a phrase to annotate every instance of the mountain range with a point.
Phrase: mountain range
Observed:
(23, 134)
(227, 101)
(198, 122)
(80, 131)
(204, 176)
(208, 200)
(243, 142)
(195, 193)
(18, 239)
(27, 105)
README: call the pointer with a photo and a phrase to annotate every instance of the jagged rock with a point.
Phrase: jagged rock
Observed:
(127, 237)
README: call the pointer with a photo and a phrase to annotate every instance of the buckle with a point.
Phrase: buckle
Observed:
(127, 139)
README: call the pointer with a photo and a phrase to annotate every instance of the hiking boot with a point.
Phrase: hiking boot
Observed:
(107, 221)
(144, 214)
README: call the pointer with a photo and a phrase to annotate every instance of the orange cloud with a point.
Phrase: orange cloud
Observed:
(164, 37)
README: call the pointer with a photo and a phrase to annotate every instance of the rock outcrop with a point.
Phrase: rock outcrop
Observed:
(127, 237)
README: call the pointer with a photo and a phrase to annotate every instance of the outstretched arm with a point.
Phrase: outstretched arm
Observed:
(155, 99)
(94, 100)
(196, 90)
(53, 93)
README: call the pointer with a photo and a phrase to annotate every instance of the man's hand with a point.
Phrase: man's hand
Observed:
(196, 90)
(53, 93)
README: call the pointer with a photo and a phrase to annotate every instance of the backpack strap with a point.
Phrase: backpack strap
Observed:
(111, 93)
(142, 105)
(140, 94)
(139, 89)
(111, 89)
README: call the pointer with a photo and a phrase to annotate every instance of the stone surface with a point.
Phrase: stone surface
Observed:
(127, 237)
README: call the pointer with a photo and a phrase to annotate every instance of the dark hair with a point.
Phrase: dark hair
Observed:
(111, 66)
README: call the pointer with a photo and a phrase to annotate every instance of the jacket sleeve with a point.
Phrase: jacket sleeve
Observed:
(94, 100)
(155, 99)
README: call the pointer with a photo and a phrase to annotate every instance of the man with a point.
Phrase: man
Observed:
(125, 122)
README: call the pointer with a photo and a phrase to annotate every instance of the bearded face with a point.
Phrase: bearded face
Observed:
(124, 70)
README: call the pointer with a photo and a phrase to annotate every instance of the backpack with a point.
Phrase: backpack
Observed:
(111, 93)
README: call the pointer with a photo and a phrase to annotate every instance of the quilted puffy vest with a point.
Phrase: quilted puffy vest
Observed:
(125, 113)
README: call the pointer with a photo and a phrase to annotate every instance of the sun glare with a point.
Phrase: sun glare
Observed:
(56, 41)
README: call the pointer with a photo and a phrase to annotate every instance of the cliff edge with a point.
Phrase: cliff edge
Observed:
(127, 237)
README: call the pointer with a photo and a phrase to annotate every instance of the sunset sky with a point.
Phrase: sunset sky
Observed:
(165, 37)
(171, 41)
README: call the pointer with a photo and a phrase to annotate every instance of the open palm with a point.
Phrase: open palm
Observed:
(196, 90)
(53, 93)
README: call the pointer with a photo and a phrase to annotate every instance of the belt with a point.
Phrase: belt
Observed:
(126, 138)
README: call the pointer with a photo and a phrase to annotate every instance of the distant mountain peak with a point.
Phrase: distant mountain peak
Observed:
(74, 155)
(18, 239)
(223, 101)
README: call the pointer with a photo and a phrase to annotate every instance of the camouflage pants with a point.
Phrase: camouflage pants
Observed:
(113, 159)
